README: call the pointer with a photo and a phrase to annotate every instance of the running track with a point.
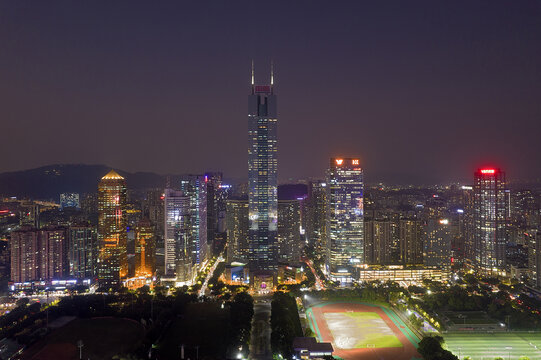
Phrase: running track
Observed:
(404, 334)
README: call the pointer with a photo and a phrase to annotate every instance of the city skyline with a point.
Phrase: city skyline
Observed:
(478, 83)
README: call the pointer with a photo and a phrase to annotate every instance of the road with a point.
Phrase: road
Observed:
(260, 348)
(319, 283)
(203, 289)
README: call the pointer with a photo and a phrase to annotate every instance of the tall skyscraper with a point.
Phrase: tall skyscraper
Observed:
(39, 254)
(178, 241)
(345, 240)
(195, 187)
(82, 252)
(25, 249)
(214, 182)
(289, 236)
(237, 230)
(112, 230)
(437, 244)
(262, 184)
(411, 241)
(316, 215)
(378, 240)
(490, 212)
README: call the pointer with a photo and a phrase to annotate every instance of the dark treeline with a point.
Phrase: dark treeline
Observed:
(285, 324)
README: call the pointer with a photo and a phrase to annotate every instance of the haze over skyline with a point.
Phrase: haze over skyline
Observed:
(422, 92)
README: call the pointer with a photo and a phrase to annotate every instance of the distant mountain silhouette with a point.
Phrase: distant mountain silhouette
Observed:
(48, 182)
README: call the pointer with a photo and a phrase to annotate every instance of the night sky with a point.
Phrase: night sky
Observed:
(421, 91)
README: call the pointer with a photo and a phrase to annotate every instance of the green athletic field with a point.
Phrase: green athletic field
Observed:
(508, 345)
(356, 330)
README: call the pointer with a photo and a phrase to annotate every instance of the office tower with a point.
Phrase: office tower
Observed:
(178, 241)
(345, 240)
(83, 252)
(69, 200)
(194, 186)
(525, 209)
(153, 209)
(468, 228)
(411, 241)
(378, 241)
(112, 230)
(289, 236)
(214, 182)
(262, 184)
(437, 244)
(490, 220)
(145, 249)
(223, 193)
(236, 219)
(25, 249)
(316, 215)
(39, 254)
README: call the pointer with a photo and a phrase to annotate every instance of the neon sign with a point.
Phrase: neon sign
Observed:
(339, 161)
(488, 171)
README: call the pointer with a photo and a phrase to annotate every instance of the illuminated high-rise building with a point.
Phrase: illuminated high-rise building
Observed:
(178, 241)
(39, 254)
(289, 236)
(490, 212)
(262, 184)
(195, 187)
(437, 244)
(316, 215)
(112, 230)
(378, 240)
(411, 241)
(236, 219)
(145, 249)
(345, 240)
(25, 247)
(82, 252)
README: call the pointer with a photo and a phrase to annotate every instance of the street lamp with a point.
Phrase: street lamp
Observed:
(80, 346)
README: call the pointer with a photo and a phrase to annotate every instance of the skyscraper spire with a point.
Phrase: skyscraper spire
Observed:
(272, 76)
(253, 77)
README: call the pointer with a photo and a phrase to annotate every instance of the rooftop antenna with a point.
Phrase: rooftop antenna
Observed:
(272, 75)
(253, 76)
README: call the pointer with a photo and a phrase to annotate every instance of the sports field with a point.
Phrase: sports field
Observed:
(362, 331)
(508, 345)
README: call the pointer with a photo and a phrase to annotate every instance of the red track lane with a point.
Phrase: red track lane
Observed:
(406, 352)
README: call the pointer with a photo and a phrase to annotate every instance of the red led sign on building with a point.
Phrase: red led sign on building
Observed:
(488, 171)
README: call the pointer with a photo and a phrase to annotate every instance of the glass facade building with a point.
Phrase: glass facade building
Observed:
(82, 252)
(490, 220)
(345, 215)
(112, 230)
(262, 181)
(178, 242)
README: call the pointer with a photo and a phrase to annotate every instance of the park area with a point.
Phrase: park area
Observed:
(362, 331)
(507, 345)
(102, 338)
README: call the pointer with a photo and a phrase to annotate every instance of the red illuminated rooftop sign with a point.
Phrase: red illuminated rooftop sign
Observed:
(488, 171)
(266, 89)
